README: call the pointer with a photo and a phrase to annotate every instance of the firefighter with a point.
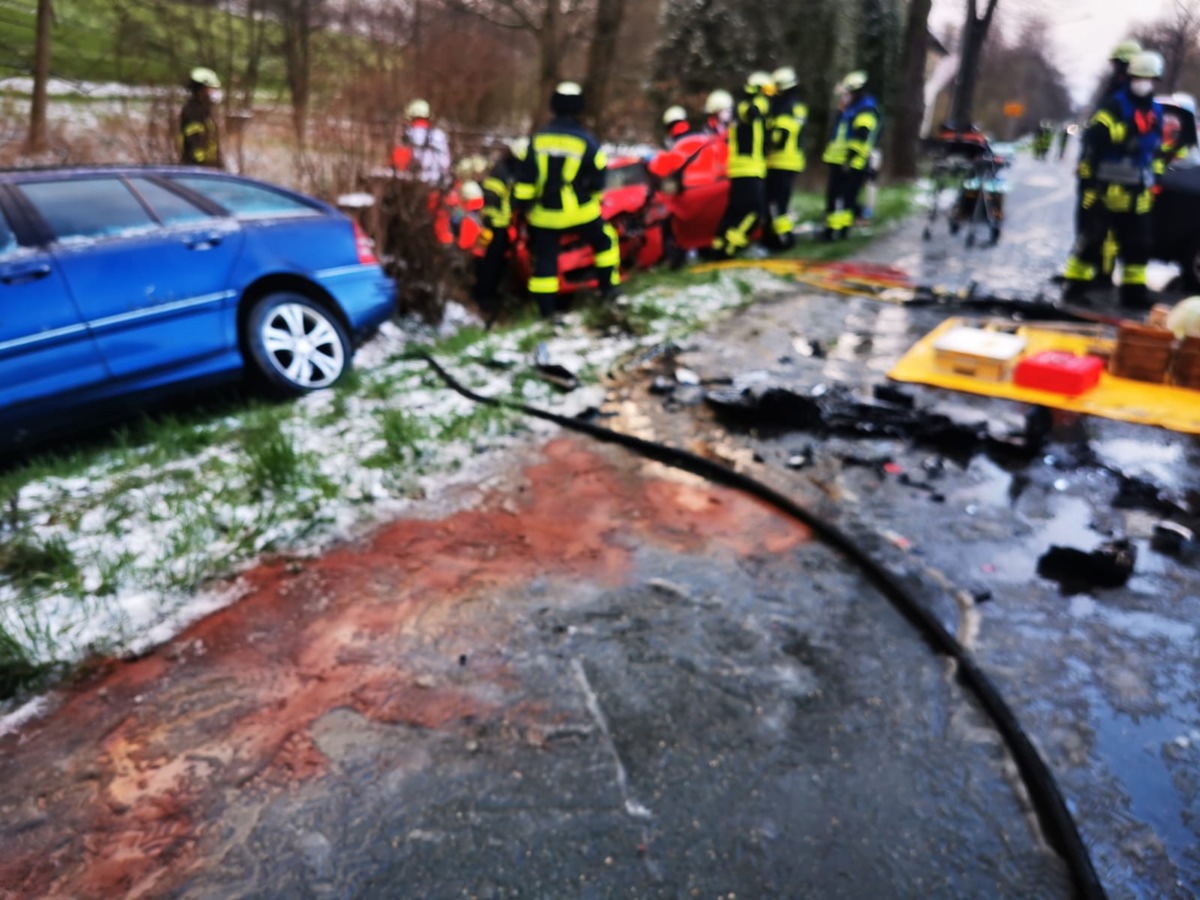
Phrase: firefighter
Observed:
(1117, 180)
(496, 240)
(675, 123)
(718, 106)
(855, 132)
(424, 150)
(747, 168)
(558, 191)
(199, 140)
(1118, 77)
(785, 154)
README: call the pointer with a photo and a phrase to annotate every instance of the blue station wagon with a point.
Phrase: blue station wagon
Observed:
(115, 282)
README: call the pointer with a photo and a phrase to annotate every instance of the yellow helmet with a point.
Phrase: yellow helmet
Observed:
(785, 78)
(674, 114)
(417, 109)
(206, 77)
(718, 101)
(1147, 64)
(855, 81)
(1125, 51)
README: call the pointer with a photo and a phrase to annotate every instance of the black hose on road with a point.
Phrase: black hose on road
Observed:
(1051, 808)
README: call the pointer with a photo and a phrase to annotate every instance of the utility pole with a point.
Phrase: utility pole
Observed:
(975, 31)
(36, 141)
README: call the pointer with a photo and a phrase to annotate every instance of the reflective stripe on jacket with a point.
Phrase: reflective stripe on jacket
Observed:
(497, 196)
(561, 176)
(854, 135)
(747, 139)
(786, 127)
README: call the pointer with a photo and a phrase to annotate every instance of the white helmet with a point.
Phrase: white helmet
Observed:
(855, 81)
(206, 77)
(674, 114)
(417, 109)
(470, 191)
(785, 78)
(1185, 101)
(759, 83)
(518, 147)
(718, 101)
(1147, 64)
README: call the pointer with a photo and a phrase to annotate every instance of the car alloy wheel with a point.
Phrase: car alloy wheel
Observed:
(296, 344)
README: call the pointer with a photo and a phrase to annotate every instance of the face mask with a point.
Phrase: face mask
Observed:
(1141, 87)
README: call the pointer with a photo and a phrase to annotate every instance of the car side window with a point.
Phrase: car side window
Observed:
(8, 239)
(170, 208)
(77, 208)
(245, 200)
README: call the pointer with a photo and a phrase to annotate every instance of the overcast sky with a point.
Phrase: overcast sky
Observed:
(1083, 32)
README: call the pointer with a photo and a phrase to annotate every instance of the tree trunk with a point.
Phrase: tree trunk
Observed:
(974, 34)
(36, 141)
(297, 35)
(602, 58)
(901, 158)
(548, 51)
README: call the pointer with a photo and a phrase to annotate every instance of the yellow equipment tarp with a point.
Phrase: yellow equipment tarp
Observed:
(1175, 408)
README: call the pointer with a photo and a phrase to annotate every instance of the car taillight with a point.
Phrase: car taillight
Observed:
(365, 247)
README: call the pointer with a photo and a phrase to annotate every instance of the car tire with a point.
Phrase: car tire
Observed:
(295, 345)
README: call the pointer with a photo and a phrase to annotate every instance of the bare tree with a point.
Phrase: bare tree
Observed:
(910, 99)
(299, 21)
(974, 33)
(36, 141)
(602, 56)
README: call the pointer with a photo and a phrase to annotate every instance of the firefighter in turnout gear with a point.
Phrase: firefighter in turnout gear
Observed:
(855, 133)
(199, 141)
(558, 190)
(785, 154)
(675, 123)
(747, 167)
(718, 106)
(1121, 151)
(497, 215)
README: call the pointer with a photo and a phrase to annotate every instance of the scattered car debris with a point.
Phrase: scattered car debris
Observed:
(686, 376)
(1076, 571)
(1172, 539)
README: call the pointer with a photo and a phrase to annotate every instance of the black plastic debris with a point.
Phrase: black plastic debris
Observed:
(1172, 539)
(559, 376)
(662, 385)
(1077, 571)
(886, 393)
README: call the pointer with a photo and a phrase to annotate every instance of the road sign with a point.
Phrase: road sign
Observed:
(1014, 110)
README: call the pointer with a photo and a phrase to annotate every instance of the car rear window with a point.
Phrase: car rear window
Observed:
(170, 208)
(245, 200)
(88, 207)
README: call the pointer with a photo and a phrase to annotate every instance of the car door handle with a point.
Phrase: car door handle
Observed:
(20, 274)
(204, 241)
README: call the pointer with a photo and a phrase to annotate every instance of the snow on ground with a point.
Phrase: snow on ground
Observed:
(144, 532)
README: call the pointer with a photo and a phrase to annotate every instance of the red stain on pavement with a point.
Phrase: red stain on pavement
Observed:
(113, 793)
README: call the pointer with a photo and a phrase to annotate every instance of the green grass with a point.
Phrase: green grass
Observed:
(28, 562)
(402, 434)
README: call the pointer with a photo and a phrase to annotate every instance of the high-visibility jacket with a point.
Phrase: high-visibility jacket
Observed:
(785, 127)
(497, 195)
(1123, 142)
(747, 139)
(562, 176)
(199, 142)
(854, 134)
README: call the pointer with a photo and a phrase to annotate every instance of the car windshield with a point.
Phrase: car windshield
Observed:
(245, 200)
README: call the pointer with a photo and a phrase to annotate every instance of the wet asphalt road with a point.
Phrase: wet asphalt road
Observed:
(1105, 679)
(597, 678)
